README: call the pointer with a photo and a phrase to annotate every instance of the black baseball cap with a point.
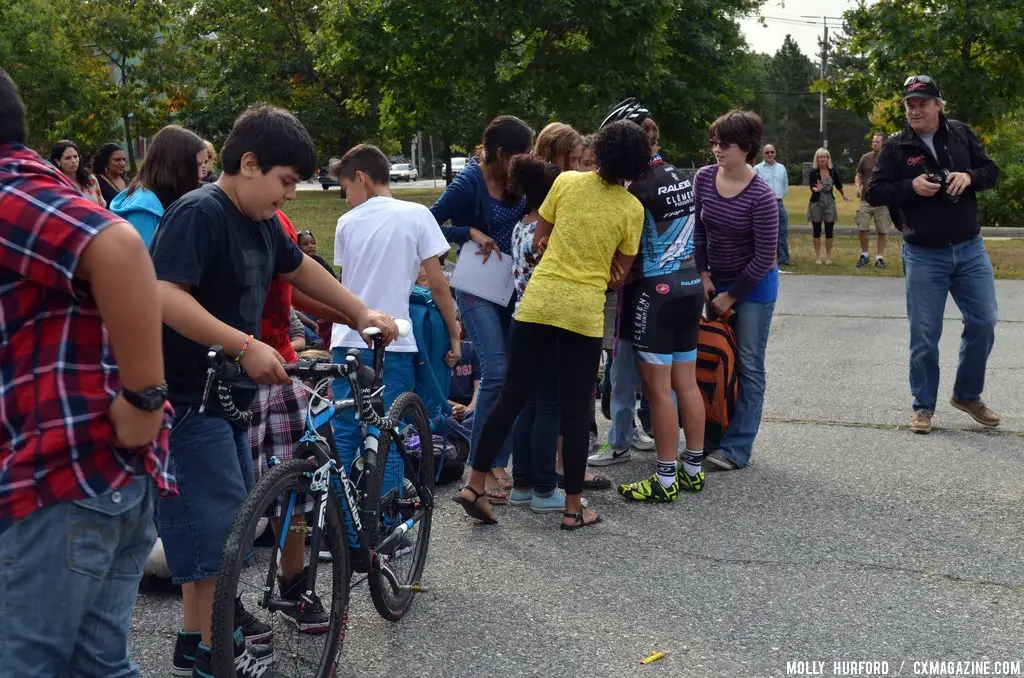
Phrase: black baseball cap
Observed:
(920, 87)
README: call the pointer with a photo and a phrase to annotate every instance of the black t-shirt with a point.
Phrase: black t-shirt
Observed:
(228, 259)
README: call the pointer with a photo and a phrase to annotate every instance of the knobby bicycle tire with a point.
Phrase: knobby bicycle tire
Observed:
(408, 408)
(293, 474)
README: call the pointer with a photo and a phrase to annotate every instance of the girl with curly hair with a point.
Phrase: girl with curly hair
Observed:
(588, 226)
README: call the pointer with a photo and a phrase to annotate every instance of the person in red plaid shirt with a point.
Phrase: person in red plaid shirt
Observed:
(79, 466)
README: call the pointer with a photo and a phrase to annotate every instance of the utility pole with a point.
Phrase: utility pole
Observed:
(823, 124)
(822, 109)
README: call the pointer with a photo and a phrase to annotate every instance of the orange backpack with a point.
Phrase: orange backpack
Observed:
(717, 374)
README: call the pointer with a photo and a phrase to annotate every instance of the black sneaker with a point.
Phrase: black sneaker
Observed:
(311, 620)
(251, 661)
(879, 263)
(185, 649)
(863, 261)
(255, 631)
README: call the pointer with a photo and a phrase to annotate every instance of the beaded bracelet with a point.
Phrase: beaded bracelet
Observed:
(245, 346)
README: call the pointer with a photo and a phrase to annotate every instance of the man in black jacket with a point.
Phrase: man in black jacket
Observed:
(929, 175)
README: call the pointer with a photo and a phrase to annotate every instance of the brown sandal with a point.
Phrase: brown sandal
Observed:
(578, 517)
(472, 509)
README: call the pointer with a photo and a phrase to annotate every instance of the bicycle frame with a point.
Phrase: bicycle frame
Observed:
(331, 473)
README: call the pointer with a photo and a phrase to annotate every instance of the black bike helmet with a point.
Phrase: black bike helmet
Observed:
(629, 109)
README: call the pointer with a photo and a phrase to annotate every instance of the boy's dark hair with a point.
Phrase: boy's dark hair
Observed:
(275, 136)
(102, 157)
(622, 152)
(169, 169)
(743, 128)
(57, 152)
(364, 158)
(508, 133)
(12, 112)
(533, 177)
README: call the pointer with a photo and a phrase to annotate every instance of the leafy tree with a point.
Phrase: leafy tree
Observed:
(287, 53)
(66, 90)
(973, 48)
(147, 65)
(792, 112)
(1004, 206)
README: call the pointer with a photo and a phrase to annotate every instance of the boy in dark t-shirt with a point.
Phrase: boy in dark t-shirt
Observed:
(215, 253)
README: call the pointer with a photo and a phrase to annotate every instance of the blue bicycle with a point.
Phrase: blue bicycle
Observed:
(310, 497)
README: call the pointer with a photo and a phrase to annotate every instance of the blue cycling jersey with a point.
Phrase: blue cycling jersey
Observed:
(666, 246)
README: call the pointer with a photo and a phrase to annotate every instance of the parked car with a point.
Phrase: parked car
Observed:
(325, 178)
(458, 164)
(403, 171)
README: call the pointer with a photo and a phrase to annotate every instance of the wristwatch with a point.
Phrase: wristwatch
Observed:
(147, 400)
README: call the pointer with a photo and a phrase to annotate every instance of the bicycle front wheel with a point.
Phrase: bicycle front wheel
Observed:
(252, 593)
(400, 515)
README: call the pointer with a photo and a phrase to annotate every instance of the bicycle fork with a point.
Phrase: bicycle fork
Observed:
(318, 487)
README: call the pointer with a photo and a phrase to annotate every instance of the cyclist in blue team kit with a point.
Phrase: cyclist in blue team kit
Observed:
(662, 305)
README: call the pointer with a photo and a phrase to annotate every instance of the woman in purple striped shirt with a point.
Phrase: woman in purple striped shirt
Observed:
(736, 234)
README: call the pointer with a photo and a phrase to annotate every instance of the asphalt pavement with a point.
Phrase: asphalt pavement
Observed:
(848, 539)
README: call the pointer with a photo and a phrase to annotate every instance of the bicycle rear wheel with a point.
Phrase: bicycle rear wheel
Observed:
(297, 654)
(393, 511)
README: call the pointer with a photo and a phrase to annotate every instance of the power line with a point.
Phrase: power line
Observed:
(838, 20)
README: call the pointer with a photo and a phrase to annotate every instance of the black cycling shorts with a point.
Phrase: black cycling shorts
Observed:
(666, 320)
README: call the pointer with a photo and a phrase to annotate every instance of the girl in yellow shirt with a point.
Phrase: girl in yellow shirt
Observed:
(588, 221)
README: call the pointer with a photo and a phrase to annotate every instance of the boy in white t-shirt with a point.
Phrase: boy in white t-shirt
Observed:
(380, 245)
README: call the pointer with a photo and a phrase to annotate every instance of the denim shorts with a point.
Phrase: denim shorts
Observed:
(211, 461)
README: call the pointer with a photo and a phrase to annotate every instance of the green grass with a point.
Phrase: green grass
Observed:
(318, 211)
(1007, 257)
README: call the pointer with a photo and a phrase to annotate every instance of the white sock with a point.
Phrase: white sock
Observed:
(666, 472)
(864, 254)
(692, 462)
(878, 257)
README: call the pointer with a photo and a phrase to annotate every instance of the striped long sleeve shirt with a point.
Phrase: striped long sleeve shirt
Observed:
(735, 238)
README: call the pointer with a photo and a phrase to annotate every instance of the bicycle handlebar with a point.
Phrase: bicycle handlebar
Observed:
(222, 371)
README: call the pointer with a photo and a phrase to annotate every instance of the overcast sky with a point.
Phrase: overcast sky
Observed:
(787, 17)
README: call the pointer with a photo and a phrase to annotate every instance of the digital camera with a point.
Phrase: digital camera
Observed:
(939, 177)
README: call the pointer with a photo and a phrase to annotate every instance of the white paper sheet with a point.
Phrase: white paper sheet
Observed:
(491, 281)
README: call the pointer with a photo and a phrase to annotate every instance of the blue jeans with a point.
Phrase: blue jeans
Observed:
(460, 430)
(488, 325)
(783, 248)
(752, 323)
(399, 377)
(535, 435)
(625, 381)
(69, 576)
(212, 462)
(965, 271)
